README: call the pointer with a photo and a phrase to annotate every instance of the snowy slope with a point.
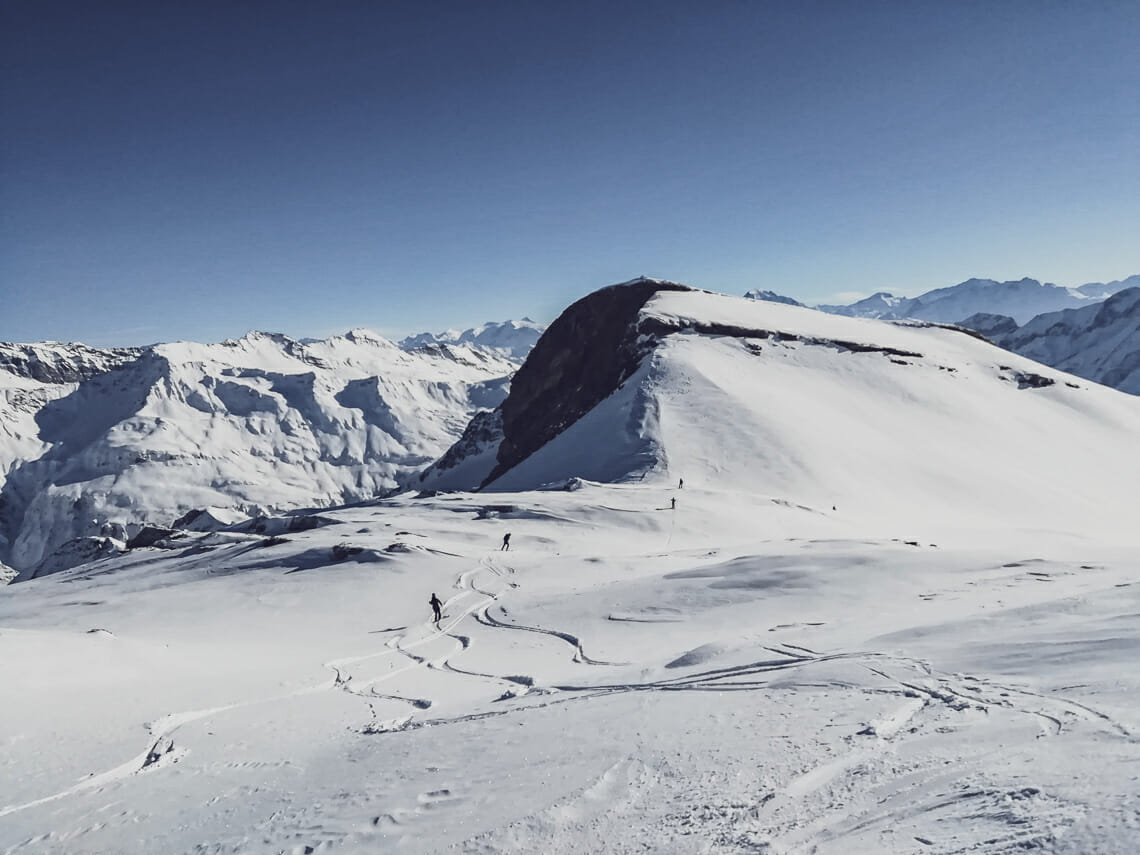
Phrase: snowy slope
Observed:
(513, 339)
(1020, 299)
(895, 608)
(1099, 342)
(261, 424)
(838, 411)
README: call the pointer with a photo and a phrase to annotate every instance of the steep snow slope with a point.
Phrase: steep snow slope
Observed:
(1020, 299)
(1099, 342)
(847, 412)
(260, 424)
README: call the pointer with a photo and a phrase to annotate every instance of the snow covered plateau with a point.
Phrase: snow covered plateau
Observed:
(778, 581)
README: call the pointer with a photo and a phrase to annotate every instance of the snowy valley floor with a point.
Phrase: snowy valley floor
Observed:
(737, 675)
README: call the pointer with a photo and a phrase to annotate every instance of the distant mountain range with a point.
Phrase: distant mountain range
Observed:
(98, 446)
(1021, 299)
(512, 339)
(97, 443)
(1092, 330)
(1100, 342)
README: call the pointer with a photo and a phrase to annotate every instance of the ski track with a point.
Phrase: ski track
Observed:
(484, 617)
(160, 748)
(841, 796)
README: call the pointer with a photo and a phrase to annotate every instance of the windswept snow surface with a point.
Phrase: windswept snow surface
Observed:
(896, 608)
(741, 674)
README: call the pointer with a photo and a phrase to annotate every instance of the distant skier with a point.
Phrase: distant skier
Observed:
(506, 542)
(436, 606)
(680, 483)
(674, 503)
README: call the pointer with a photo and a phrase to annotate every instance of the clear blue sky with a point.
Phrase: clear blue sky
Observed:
(194, 170)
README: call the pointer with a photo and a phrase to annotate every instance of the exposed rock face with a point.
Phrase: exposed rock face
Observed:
(472, 457)
(991, 326)
(580, 360)
(153, 535)
(80, 550)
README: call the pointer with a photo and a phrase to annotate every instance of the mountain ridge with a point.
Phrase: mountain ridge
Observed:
(259, 424)
(1021, 299)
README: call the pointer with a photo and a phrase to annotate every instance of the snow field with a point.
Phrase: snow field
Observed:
(802, 691)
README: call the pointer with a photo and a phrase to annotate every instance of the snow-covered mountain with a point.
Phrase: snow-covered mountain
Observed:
(1100, 342)
(771, 297)
(643, 381)
(893, 608)
(94, 443)
(513, 339)
(1021, 300)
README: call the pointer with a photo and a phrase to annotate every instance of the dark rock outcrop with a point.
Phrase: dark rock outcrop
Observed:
(484, 431)
(993, 327)
(153, 535)
(579, 361)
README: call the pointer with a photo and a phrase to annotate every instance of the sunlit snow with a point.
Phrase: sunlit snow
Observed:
(894, 607)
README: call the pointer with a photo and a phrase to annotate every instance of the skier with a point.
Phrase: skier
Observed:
(674, 501)
(436, 606)
(506, 542)
(680, 483)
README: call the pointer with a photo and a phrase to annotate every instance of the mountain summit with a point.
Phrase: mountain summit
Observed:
(653, 381)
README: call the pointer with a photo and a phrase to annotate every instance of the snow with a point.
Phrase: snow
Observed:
(513, 339)
(813, 419)
(1021, 299)
(736, 673)
(896, 609)
(1100, 342)
(258, 424)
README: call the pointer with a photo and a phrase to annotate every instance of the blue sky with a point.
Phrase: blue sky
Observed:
(195, 170)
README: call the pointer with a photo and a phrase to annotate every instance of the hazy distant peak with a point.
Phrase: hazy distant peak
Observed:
(770, 297)
(513, 339)
(1020, 299)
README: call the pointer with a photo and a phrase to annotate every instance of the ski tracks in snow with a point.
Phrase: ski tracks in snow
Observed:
(474, 596)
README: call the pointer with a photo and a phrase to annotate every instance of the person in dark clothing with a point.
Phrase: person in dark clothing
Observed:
(680, 483)
(674, 505)
(506, 542)
(436, 606)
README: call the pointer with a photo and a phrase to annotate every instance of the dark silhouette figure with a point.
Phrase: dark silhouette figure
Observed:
(506, 542)
(674, 503)
(436, 606)
(680, 483)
